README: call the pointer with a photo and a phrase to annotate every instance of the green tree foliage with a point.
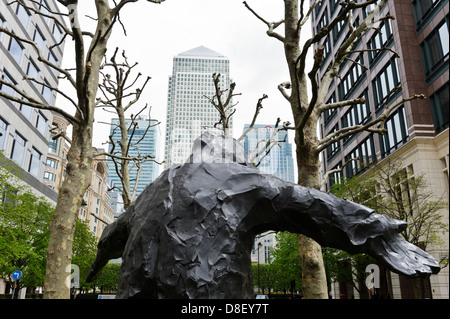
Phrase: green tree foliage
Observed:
(286, 262)
(108, 278)
(24, 231)
(84, 249)
(284, 269)
(24, 220)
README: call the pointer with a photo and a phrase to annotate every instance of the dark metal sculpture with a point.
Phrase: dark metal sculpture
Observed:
(190, 233)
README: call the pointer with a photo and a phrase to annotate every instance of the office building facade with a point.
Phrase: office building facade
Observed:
(417, 131)
(278, 161)
(189, 112)
(24, 131)
(143, 140)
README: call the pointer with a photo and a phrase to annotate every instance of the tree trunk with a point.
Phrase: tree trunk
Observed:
(62, 227)
(314, 280)
(314, 283)
(79, 158)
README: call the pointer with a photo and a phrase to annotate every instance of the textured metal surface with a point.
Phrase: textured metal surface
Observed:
(190, 233)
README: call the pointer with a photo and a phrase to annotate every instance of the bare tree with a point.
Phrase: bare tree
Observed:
(118, 97)
(226, 111)
(224, 107)
(84, 79)
(307, 109)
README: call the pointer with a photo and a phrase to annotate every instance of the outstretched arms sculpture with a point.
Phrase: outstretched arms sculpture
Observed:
(190, 233)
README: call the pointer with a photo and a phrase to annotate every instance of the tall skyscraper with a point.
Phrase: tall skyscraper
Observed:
(278, 161)
(24, 131)
(417, 131)
(145, 142)
(189, 112)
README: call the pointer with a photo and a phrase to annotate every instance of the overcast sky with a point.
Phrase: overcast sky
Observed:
(156, 33)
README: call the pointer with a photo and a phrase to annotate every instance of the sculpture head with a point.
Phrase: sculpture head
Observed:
(212, 148)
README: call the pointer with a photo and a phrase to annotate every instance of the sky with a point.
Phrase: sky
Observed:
(158, 32)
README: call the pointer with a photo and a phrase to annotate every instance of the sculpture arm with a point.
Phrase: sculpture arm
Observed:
(111, 243)
(342, 224)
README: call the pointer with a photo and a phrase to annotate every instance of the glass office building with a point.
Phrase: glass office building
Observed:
(189, 112)
(278, 161)
(146, 139)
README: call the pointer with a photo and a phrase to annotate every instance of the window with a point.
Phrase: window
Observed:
(351, 78)
(35, 162)
(435, 49)
(52, 59)
(51, 163)
(49, 176)
(18, 149)
(26, 110)
(422, 9)
(397, 133)
(357, 114)
(365, 152)
(23, 15)
(336, 177)
(47, 92)
(385, 82)
(33, 72)
(16, 50)
(338, 29)
(2, 24)
(41, 123)
(57, 33)
(379, 40)
(39, 39)
(439, 108)
(323, 22)
(334, 4)
(43, 8)
(329, 114)
(53, 145)
(5, 88)
(3, 131)
(334, 148)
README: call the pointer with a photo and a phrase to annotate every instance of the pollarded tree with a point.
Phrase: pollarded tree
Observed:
(307, 106)
(89, 49)
(119, 94)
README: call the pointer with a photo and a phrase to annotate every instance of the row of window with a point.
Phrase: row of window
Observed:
(435, 50)
(18, 150)
(24, 16)
(423, 9)
(40, 122)
(32, 71)
(364, 153)
(351, 78)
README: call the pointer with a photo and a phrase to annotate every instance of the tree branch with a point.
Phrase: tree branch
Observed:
(30, 101)
(257, 110)
(39, 53)
(270, 25)
(282, 87)
(336, 170)
(318, 58)
(351, 130)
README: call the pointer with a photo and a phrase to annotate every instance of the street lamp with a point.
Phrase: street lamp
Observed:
(259, 245)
